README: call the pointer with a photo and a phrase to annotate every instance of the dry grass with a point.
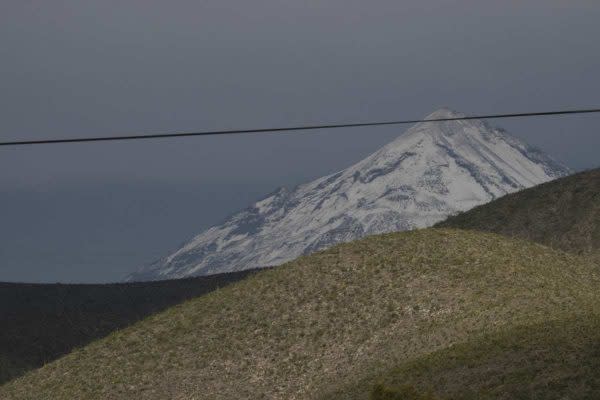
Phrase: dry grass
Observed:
(564, 214)
(552, 360)
(323, 322)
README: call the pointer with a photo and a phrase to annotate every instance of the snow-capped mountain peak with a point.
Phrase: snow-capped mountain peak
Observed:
(431, 171)
(444, 112)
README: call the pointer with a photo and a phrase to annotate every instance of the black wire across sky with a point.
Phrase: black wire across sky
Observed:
(291, 129)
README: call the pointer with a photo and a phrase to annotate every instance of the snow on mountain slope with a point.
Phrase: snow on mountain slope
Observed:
(433, 170)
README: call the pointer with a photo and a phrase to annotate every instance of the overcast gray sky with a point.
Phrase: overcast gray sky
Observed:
(84, 212)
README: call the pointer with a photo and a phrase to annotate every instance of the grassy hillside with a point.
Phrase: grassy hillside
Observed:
(321, 323)
(564, 214)
(39, 323)
(557, 359)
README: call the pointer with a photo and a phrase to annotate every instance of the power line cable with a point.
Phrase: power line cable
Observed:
(291, 129)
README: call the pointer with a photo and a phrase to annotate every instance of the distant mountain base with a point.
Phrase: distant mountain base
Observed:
(41, 322)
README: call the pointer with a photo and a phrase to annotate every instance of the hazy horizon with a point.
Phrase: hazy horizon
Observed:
(93, 213)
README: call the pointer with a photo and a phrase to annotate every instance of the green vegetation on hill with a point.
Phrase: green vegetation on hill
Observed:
(325, 322)
(564, 214)
(553, 360)
(41, 322)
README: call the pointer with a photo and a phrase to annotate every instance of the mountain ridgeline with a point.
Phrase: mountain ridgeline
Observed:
(433, 170)
(564, 214)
